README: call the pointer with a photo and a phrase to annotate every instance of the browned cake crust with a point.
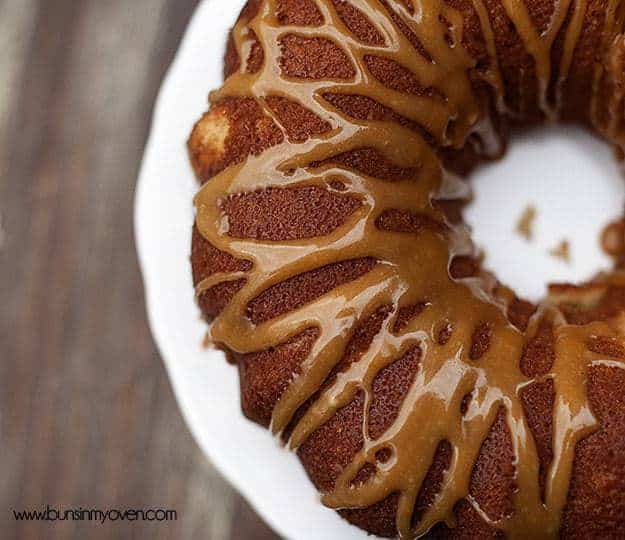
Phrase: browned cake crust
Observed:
(236, 128)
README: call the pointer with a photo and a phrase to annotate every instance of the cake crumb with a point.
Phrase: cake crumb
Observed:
(613, 238)
(562, 251)
(525, 225)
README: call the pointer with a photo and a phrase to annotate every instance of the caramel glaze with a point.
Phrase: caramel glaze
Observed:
(410, 269)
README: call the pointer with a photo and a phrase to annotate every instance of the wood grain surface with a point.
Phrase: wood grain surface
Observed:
(87, 416)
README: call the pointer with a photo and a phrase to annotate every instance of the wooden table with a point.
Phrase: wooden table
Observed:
(87, 416)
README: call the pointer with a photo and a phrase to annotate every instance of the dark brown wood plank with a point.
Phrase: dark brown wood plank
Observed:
(87, 417)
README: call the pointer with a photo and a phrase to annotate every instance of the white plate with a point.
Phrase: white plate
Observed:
(206, 387)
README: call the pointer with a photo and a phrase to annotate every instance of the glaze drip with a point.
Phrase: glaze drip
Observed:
(411, 268)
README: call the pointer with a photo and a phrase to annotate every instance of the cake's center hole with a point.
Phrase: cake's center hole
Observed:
(538, 213)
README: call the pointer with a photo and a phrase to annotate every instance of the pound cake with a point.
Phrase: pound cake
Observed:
(423, 397)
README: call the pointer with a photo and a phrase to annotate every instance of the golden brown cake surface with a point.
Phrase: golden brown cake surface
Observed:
(422, 397)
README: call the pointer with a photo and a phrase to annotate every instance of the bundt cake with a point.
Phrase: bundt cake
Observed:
(329, 255)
